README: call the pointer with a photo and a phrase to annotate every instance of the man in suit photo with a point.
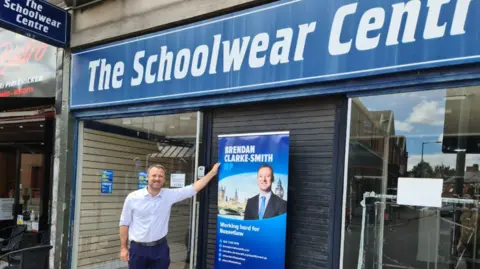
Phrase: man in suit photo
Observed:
(266, 204)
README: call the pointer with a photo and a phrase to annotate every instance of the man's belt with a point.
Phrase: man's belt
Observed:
(151, 244)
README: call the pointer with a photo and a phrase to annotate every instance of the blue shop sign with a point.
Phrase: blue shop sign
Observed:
(283, 43)
(36, 19)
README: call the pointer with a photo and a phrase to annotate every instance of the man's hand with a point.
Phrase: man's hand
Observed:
(201, 183)
(214, 170)
(124, 256)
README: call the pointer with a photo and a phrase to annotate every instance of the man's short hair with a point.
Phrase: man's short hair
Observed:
(269, 167)
(158, 166)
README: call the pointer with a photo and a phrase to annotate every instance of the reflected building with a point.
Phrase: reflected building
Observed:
(373, 138)
(368, 131)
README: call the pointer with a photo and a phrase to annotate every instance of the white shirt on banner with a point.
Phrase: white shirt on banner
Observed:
(147, 216)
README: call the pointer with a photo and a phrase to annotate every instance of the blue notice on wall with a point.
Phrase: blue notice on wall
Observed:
(106, 182)
(142, 180)
(252, 201)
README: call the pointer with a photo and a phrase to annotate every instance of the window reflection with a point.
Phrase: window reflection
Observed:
(429, 134)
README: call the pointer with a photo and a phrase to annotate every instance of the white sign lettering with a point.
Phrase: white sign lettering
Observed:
(31, 15)
(374, 28)
(166, 65)
(368, 35)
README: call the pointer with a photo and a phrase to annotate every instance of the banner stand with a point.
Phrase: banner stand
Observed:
(252, 200)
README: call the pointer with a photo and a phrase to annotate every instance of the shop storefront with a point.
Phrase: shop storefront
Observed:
(30, 105)
(362, 88)
(27, 104)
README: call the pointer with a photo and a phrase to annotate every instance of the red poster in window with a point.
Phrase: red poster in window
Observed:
(27, 67)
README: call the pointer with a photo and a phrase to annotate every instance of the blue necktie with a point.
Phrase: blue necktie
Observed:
(262, 208)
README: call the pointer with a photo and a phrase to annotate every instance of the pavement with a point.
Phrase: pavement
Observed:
(414, 241)
(179, 265)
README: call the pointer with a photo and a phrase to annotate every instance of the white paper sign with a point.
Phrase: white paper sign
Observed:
(420, 191)
(177, 180)
(34, 226)
(6, 208)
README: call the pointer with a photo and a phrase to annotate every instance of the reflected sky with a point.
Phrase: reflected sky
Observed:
(420, 117)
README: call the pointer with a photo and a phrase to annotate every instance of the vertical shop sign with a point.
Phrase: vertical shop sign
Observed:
(252, 200)
(106, 183)
(142, 180)
(36, 19)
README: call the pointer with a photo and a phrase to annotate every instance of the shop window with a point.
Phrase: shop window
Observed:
(424, 135)
(114, 155)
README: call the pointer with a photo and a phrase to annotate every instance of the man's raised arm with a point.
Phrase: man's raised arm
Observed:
(201, 183)
(189, 191)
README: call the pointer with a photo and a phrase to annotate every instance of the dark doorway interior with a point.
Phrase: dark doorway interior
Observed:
(26, 145)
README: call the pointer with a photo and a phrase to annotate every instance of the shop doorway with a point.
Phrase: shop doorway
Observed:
(26, 148)
(120, 151)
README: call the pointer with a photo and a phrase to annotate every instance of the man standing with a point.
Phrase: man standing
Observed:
(266, 204)
(145, 217)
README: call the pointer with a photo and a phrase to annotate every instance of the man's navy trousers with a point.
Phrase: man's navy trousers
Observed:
(149, 257)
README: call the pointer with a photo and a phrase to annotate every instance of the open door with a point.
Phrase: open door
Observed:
(26, 146)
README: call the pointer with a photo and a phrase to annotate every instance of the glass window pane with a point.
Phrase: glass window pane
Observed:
(120, 150)
(8, 187)
(428, 134)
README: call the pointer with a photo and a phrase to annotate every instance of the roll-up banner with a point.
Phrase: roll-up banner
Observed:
(252, 200)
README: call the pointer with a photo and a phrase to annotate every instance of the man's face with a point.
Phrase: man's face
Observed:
(264, 179)
(156, 178)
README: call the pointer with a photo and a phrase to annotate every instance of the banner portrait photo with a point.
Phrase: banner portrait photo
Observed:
(252, 200)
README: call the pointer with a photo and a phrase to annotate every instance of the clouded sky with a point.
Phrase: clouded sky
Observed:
(420, 117)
